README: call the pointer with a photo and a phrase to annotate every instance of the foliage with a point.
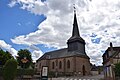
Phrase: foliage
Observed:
(24, 54)
(117, 69)
(25, 72)
(4, 56)
(51, 74)
(1, 71)
(9, 69)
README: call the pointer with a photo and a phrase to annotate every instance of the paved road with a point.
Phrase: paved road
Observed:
(97, 77)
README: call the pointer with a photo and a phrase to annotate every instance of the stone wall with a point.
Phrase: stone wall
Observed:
(76, 66)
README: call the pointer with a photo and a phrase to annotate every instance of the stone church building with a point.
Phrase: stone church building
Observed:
(70, 61)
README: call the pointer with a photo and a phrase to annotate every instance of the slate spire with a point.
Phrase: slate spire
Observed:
(75, 32)
(75, 42)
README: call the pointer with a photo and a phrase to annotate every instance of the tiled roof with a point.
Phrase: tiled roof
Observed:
(62, 53)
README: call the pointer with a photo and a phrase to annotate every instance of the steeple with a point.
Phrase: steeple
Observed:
(75, 32)
(75, 42)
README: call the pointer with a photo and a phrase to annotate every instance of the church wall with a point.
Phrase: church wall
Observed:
(71, 69)
(76, 64)
(56, 66)
(79, 66)
(64, 64)
(40, 64)
(51, 66)
(64, 70)
(62, 67)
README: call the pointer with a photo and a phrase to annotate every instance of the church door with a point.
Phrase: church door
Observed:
(83, 68)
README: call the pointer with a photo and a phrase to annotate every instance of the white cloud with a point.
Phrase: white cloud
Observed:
(4, 45)
(36, 54)
(12, 3)
(101, 17)
(8, 47)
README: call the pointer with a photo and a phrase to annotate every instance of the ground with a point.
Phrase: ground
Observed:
(96, 77)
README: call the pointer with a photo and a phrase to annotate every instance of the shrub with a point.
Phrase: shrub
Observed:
(51, 74)
(117, 69)
(25, 72)
(9, 69)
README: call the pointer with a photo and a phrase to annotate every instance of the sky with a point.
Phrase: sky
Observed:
(46, 25)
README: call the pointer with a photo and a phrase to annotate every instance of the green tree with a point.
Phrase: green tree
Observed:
(117, 69)
(10, 69)
(1, 56)
(4, 56)
(24, 58)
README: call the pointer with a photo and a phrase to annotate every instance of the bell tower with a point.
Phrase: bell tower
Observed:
(75, 42)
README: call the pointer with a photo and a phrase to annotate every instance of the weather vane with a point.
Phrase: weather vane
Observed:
(74, 8)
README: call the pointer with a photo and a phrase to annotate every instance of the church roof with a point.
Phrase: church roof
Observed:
(61, 53)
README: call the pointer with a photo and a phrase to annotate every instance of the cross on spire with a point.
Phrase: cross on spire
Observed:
(74, 8)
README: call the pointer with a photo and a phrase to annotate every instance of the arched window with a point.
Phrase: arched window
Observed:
(68, 64)
(60, 65)
(53, 65)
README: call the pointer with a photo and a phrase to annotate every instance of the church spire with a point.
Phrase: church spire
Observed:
(75, 42)
(75, 32)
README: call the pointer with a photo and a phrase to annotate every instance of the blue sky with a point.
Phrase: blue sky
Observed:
(15, 21)
(46, 25)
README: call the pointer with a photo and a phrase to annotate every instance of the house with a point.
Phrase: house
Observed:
(110, 58)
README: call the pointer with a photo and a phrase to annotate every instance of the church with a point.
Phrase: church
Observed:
(70, 61)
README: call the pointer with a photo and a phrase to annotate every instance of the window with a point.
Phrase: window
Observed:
(68, 64)
(56, 63)
(60, 65)
(53, 65)
(40, 65)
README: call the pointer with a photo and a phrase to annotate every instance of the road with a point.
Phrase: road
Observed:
(96, 77)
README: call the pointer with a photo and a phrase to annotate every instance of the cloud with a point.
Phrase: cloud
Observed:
(36, 55)
(12, 3)
(36, 52)
(8, 47)
(32, 47)
(99, 17)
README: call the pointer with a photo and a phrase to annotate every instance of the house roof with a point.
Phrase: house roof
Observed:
(62, 53)
(115, 49)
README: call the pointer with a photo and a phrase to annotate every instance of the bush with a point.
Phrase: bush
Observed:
(25, 72)
(117, 69)
(9, 69)
(1, 70)
(51, 74)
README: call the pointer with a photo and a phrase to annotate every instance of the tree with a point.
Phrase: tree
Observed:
(1, 56)
(117, 69)
(10, 69)
(4, 56)
(24, 58)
